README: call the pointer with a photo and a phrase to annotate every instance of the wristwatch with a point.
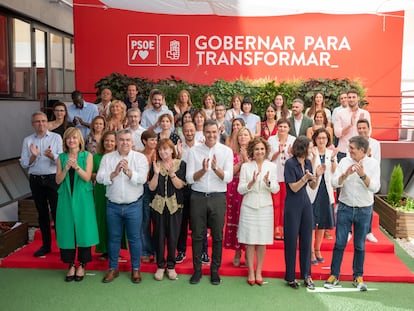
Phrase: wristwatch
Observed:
(363, 177)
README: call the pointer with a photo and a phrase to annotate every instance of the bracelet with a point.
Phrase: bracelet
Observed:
(332, 160)
(172, 177)
(77, 168)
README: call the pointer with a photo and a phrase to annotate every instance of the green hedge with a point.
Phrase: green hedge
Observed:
(262, 92)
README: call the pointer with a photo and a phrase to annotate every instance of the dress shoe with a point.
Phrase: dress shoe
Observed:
(110, 275)
(80, 273)
(159, 274)
(293, 284)
(251, 282)
(319, 259)
(42, 251)
(136, 276)
(215, 278)
(146, 259)
(70, 276)
(195, 278)
(309, 284)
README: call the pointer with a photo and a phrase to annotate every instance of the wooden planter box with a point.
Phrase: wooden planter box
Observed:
(13, 239)
(27, 212)
(398, 224)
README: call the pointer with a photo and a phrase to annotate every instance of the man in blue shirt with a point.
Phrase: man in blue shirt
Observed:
(39, 155)
(150, 117)
(81, 113)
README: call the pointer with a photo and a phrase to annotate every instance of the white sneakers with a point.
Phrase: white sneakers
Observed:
(371, 237)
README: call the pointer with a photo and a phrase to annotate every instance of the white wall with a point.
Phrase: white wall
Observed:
(57, 15)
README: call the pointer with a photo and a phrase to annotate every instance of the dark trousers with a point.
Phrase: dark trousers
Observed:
(339, 157)
(298, 223)
(68, 255)
(207, 211)
(166, 229)
(182, 238)
(44, 192)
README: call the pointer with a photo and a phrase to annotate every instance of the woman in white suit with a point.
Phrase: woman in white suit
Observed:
(258, 179)
(322, 197)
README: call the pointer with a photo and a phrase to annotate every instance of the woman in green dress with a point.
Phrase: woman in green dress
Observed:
(76, 228)
(106, 145)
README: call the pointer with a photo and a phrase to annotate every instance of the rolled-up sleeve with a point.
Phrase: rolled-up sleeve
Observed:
(104, 173)
(228, 166)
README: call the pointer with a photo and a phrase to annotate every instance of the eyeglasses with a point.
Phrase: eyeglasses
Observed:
(220, 109)
(59, 110)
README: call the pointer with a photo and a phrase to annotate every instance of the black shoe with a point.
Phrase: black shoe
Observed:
(215, 278)
(195, 278)
(293, 284)
(180, 257)
(42, 251)
(70, 277)
(309, 283)
(81, 268)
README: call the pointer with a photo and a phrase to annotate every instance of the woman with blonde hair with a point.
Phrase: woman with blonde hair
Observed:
(233, 198)
(209, 104)
(117, 116)
(236, 125)
(76, 227)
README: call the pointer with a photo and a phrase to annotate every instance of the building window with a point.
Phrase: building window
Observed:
(22, 55)
(36, 61)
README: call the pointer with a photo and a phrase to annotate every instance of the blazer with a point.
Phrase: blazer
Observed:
(259, 194)
(328, 176)
(306, 123)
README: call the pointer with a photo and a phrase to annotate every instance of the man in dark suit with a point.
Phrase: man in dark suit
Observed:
(299, 122)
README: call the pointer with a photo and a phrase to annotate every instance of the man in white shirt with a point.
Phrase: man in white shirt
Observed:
(150, 116)
(209, 170)
(343, 100)
(103, 106)
(40, 152)
(359, 178)
(123, 172)
(374, 150)
(346, 120)
(134, 118)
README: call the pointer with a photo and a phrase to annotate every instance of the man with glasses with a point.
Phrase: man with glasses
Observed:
(223, 124)
(39, 155)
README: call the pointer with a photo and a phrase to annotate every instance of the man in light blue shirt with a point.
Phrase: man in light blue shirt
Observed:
(150, 117)
(39, 154)
(81, 113)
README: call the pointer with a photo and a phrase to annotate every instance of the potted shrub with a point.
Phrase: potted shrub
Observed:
(396, 211)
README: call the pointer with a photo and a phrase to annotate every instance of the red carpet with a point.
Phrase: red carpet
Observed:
(381, 264)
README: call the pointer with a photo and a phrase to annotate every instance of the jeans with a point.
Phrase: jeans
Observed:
(346, 217)
(147, 247)
(130, 216)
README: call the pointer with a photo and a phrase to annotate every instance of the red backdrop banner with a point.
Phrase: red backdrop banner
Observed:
(202, 49)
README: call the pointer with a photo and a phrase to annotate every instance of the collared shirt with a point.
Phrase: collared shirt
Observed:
(354, 192)
(121, 189)
(42, 165)
(136, 137)
(297, 124)
(343, 119)
(103, 111)
(186, 150)
(375, 149)
(251, 121)
(150, 117)
(210, 182)
(87, 113)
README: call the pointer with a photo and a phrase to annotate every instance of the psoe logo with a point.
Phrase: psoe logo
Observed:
(142, 50)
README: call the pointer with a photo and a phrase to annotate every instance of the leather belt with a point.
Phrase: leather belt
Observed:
(208, 194)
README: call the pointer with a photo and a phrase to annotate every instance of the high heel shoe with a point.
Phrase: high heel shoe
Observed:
(70, 277)
(259, 282)
(314, 261)
(319, 259)
(251, 282)
(79, 277)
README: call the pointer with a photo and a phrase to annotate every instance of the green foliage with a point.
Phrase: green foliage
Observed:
(396, 186)
(407, 205)
(331, 89)
(262, 92)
